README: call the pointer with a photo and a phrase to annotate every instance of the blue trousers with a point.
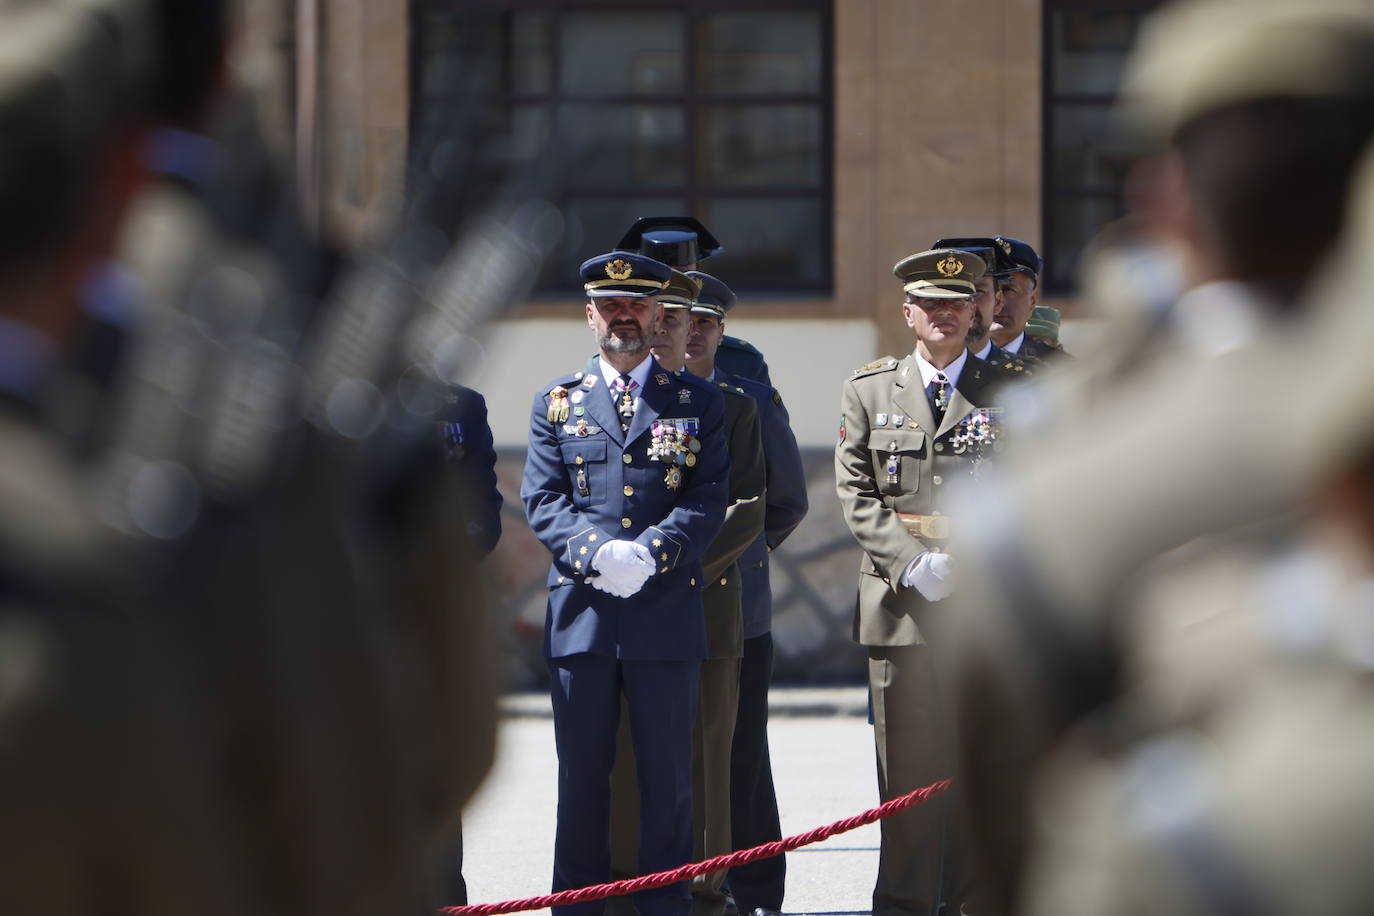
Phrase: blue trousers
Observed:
(753, 801)
(661, 697)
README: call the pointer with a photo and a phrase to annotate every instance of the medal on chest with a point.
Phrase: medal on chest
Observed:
(675, 441)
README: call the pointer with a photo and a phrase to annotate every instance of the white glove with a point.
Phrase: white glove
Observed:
(931, 574)
(624, 567)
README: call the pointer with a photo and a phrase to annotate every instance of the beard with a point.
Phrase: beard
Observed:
(628, 345)
(978, 330)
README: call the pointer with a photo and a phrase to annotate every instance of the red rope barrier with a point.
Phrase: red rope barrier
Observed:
(730, 860)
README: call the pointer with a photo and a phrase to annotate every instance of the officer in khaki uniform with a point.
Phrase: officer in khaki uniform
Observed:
(909, 427)
(744, 516)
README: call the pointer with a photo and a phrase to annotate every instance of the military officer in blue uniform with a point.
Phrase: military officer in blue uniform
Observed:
(987, 300)
(1019, 291)
(758, 887)
(682, 242)
(626, 483)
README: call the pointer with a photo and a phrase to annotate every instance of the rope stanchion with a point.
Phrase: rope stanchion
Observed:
(683, 873)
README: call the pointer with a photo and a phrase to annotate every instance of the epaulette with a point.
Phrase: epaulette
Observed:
(726, 386)
(1014, 364)
(565, 382)
(695, 381)
(886, 364)
(738, 343)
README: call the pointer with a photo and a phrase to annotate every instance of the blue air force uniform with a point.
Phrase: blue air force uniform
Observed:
(588, 482)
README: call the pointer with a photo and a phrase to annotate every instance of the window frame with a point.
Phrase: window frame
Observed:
(693, 104)
(1053, 192)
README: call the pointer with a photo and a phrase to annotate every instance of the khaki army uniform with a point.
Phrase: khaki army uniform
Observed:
(893, 465)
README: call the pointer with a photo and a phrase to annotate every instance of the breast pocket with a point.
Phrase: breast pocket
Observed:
(586, 463)
(897, 457)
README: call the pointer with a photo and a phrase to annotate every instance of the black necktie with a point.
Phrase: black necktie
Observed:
(937, 392)
(625, 403)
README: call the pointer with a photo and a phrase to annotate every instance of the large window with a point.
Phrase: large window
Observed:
(1086, 47)
(715, 108)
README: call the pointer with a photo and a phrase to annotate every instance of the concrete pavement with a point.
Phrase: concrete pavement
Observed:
(823, 765)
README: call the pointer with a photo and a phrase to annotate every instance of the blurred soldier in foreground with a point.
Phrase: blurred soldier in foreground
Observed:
(299, 638)
(626, 484)
(682, 243)
(104, 780)
(466, 439)
(753, 801)
(908, 427)
(1228, 773)
(1264, 109)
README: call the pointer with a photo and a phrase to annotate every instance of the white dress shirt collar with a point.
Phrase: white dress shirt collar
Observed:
(951, 371)
(1014, 348)
(987, 348)
(639, 373)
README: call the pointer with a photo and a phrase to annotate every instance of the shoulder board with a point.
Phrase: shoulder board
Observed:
(695, 381)
(733, 389)
(737, 343)
(885, 364)
(760, 390)
(565, 382)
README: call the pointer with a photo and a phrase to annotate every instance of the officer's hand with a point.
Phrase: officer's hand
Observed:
(931, 574)
(612, 586)
(624, 565)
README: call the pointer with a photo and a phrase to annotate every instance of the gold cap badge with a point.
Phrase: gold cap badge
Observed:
(950, 266)
(619, 269)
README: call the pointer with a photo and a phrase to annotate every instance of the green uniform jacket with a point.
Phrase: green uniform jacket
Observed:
(744, 517)
(925, 462)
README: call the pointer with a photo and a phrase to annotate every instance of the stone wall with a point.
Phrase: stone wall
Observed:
(814, 576)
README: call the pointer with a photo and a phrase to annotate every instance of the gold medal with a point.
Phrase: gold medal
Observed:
(690, 460)
(673, 478)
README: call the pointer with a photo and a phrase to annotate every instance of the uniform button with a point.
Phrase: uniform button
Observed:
(626, 458)
(723, 581)
(625, 523)
(664, 569)
(560, 580)
(939, 480)
(693, 581)
(579, 459)
(629, 491)
(939, 446)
